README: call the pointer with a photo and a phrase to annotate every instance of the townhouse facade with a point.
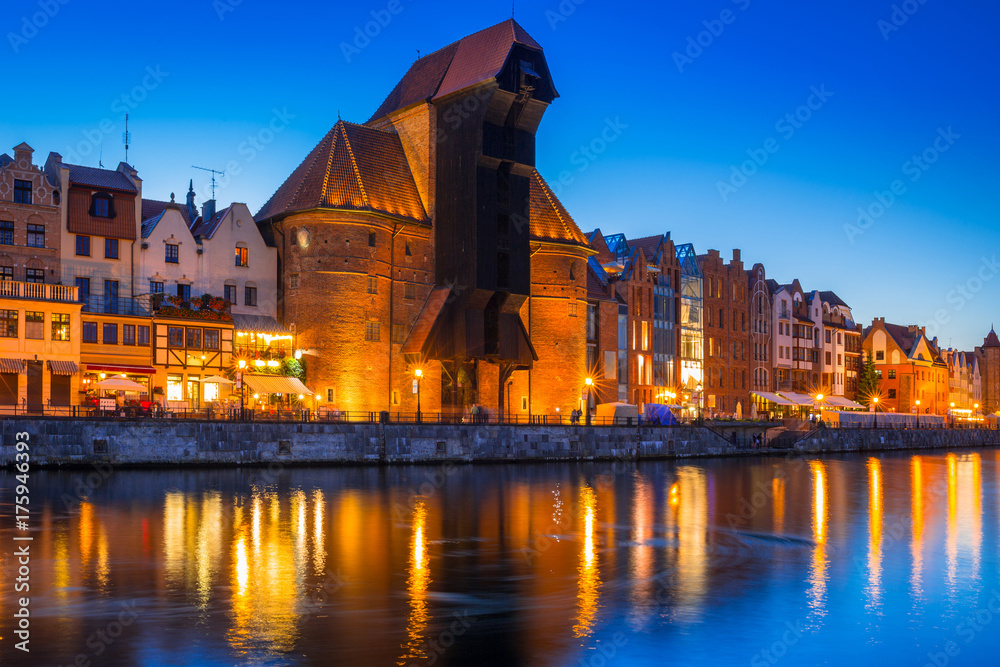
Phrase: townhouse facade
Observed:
(910, 368)
(727, 346)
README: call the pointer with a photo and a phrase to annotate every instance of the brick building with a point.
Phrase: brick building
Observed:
(759, 312)
(910, 368)
(434, 244)
(727, 334)
(989, 367)
(29, 220)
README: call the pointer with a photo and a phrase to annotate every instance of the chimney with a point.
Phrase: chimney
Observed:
(737, 255)
(208, 209)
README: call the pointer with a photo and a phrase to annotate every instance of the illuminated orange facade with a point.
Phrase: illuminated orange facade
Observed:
(910, 367)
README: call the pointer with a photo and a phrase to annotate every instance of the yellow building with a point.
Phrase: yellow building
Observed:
(40, 337)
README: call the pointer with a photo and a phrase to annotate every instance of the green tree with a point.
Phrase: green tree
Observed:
(867, 379)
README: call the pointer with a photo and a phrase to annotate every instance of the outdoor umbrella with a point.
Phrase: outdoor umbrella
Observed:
(217, 378)
(121, 384)
(753, 411)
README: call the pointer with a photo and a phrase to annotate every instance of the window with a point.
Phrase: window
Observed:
(110, 296)
(572, 313)
(329, 395)
(22, 192)
(409, 250)
(100, 206)
(242, 256)
(109, 334)
(184, 292)
(878, 374)
(372, 284)
(34, 324)
(83, 287)
(36, 236)
(142, 335)
(249, 296)
(128, 334)
(175, 336)
(409, 291)
(175, 388)
(193, 338)
(293, 281)
(373, 331)
(8, 323)
(110, 248)
(34, 275)
(211, 339)
(827, 336)
(892, 393)
(371, 238)
(6, 272)
(82, 245)
(155, 293)
(6, 233)
(89, 332)
(829, 358)
(60, 326)
(398, 333)
(229, 293)
(892, 374)
(171, 254)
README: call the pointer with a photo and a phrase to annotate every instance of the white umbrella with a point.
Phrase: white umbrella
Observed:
(753, 411)
(739, 410)
(218, 379)
(121, 384)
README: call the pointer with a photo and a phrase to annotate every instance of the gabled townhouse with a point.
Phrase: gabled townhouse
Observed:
(727, 334)
(910, 368)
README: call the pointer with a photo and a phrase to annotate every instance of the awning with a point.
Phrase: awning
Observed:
(773, 398)
(122, 368)
(259, 324)
(276, 384)
(13, 366)
(417, 340)
(63, 367)
(841, 402)
(799, 399)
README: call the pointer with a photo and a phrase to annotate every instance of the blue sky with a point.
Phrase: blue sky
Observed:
(692, 89)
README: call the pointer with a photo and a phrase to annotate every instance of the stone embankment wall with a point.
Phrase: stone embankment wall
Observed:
(61, 442)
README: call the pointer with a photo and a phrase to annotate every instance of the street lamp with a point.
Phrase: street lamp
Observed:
(918, 413)
(419, 373)
(875, 416)
(698, 388)
(586, 405)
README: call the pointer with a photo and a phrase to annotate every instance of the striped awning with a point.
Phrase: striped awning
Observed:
(773, 398)
(63, 367)
(276, 384)
(13, 366)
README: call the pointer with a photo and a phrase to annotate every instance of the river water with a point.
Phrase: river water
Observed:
(889, 559)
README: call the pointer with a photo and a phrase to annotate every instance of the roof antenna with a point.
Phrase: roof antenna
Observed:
(418, 54)
(100, 160)
(512, 8)
(126, 138)
(214, 172)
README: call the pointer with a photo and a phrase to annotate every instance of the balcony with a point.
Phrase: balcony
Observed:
(37, 291)
(115, 305)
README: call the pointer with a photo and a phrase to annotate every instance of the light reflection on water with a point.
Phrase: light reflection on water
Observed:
(552, 564)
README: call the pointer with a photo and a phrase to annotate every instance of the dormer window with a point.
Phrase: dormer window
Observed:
(102, 206)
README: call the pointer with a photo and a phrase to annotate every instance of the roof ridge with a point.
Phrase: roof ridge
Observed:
(357, 170)
(326, 169)
(550, 196)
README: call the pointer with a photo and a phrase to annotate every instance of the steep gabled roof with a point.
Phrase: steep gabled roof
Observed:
(473, 59)
(353, 168)
(5, 160)
(550, 221)
(832, 299)
(105, 179)
(650, 246)
(149, 224)
(207, 228)
(152, 208)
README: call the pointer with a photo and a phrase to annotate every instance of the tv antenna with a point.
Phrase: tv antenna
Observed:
(126, 138)
(214, 172)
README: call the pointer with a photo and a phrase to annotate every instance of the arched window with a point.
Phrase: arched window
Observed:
(242, 254)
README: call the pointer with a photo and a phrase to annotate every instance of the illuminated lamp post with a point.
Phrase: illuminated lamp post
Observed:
(242, 365)
(918, 413)
(819, 404)
(698, 388)
(951, 415)
(589, 382)
(875, 410)
(418, 373)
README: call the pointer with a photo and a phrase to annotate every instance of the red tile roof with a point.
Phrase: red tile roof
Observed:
(152, 208)
(550, 221)
(473, 59)
(353, 168)
(991, 339)
(105, 179)
(207, 228)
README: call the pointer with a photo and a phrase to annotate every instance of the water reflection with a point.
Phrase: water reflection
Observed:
(818, 575)
(234, 569)
(417, 583)
(874, 589)
(589, 583)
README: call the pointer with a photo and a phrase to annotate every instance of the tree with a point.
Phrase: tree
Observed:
(868, 380)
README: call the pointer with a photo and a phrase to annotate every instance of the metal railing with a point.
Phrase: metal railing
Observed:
(121, 305)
